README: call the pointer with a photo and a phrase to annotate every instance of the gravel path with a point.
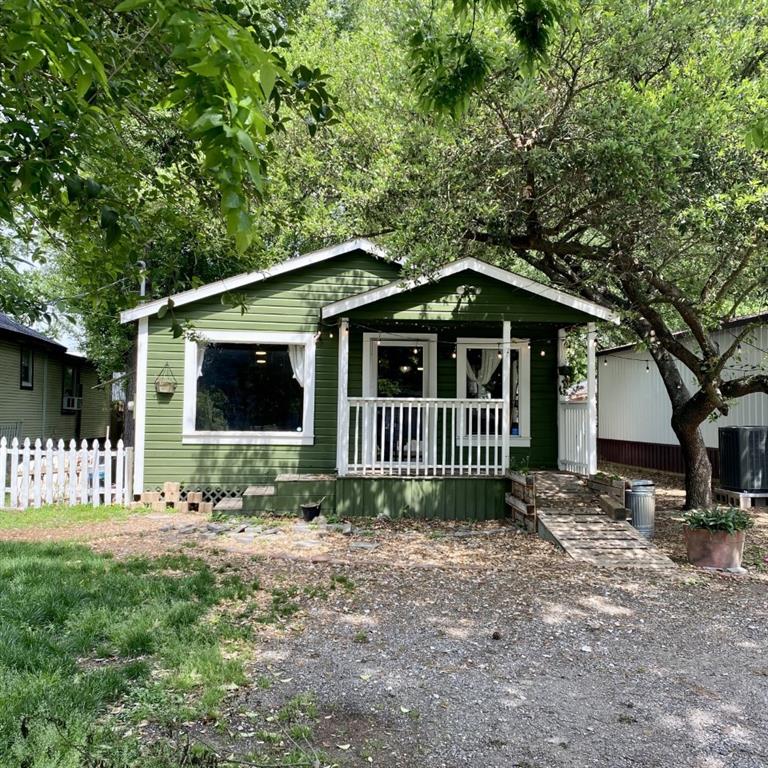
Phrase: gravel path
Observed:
(589, 668)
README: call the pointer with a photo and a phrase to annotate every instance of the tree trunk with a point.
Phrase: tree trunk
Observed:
(698, 468)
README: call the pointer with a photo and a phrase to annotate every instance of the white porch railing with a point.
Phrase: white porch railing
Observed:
(35, 474)
(425, 436)
(573, 437)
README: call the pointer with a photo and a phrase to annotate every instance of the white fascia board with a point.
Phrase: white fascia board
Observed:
(248, 278)
(483, 268)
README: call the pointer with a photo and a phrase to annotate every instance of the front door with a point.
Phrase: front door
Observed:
(402, 368)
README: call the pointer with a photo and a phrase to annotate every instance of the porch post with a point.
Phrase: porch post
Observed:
(342, 412)
(506, 371)
(561, 361)
(591, 399)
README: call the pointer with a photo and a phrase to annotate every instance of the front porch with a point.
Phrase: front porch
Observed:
(461, 400)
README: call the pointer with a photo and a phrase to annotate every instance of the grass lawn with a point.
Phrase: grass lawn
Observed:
(90, 647)
(53, 516)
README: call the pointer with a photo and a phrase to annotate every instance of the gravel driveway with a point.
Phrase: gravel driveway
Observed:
(536, 663)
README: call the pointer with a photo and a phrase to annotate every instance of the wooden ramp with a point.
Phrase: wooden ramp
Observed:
(591, 537)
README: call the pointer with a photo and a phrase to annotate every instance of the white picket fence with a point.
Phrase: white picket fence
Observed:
(33, 474)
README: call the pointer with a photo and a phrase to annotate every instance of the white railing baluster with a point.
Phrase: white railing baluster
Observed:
(357, 436)
(14, 477)
(400, 423)
(119, 477)
(49, 471)
(107, 472)
(3, 466)
(24, 501)
(83, 472)
(72, 472)
(37, 474)
(61, 473)
(95, 487)
(444, 426)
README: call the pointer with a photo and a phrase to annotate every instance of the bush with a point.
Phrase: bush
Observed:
(726, 519)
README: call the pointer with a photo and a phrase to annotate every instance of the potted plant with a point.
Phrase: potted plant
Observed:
(715, 537)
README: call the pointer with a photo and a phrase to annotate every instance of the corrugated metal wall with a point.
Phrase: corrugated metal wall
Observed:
(633, 404)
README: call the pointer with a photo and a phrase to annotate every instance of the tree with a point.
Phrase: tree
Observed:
(619, 170)
(77, 78)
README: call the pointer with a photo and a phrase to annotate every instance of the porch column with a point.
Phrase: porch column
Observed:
(591, 399)
(561, 361)
(342, 412)
(506, 371)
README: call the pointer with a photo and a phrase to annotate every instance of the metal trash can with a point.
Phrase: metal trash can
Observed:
(640, 500)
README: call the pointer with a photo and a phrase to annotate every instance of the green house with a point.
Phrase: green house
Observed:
(344, 379)
(45, 392)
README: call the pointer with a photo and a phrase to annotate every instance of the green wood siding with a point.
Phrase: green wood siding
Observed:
(290, 302)
(39, 408)
(444, 498)
(497, 301)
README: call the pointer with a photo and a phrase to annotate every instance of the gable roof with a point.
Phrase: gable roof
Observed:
(257, 276)
(483, 268)
(9, 327)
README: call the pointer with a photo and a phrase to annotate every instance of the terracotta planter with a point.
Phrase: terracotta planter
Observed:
(719, 549)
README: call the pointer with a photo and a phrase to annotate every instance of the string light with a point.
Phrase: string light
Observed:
(543, 353)
(647, 367)
(605, 361)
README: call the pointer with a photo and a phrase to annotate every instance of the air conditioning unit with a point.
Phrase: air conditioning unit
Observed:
(70, 403)
(743, 458)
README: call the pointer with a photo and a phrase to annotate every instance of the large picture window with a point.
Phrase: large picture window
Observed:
(249, 387)
(479, 376)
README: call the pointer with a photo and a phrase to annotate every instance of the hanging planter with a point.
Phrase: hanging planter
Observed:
(165, 383)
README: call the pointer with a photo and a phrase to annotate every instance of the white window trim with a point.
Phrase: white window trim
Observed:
(523, 440)
(192, 436)
(370, 359)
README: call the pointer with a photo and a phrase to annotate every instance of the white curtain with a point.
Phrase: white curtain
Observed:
(489, 362)
(201, 347)
(296, 356)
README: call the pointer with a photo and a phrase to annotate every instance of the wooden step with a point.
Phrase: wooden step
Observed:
(260, 490)
(288, 478)
(229, 506)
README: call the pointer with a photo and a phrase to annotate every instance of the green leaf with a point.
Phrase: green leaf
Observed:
(84, 80)
(130, 5)
(268, 75)
(246, 142)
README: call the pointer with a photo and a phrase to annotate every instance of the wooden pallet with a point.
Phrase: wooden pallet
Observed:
(522, 500)
(597, 540)
(740, 499)
(169, 499)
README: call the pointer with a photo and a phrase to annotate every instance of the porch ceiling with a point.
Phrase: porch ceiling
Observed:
(470, 290)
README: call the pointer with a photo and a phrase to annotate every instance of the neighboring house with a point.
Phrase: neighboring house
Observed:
(390, 393)
(634, 411)
(45, 392)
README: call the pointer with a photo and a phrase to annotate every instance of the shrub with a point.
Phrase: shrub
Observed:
(726, 519)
